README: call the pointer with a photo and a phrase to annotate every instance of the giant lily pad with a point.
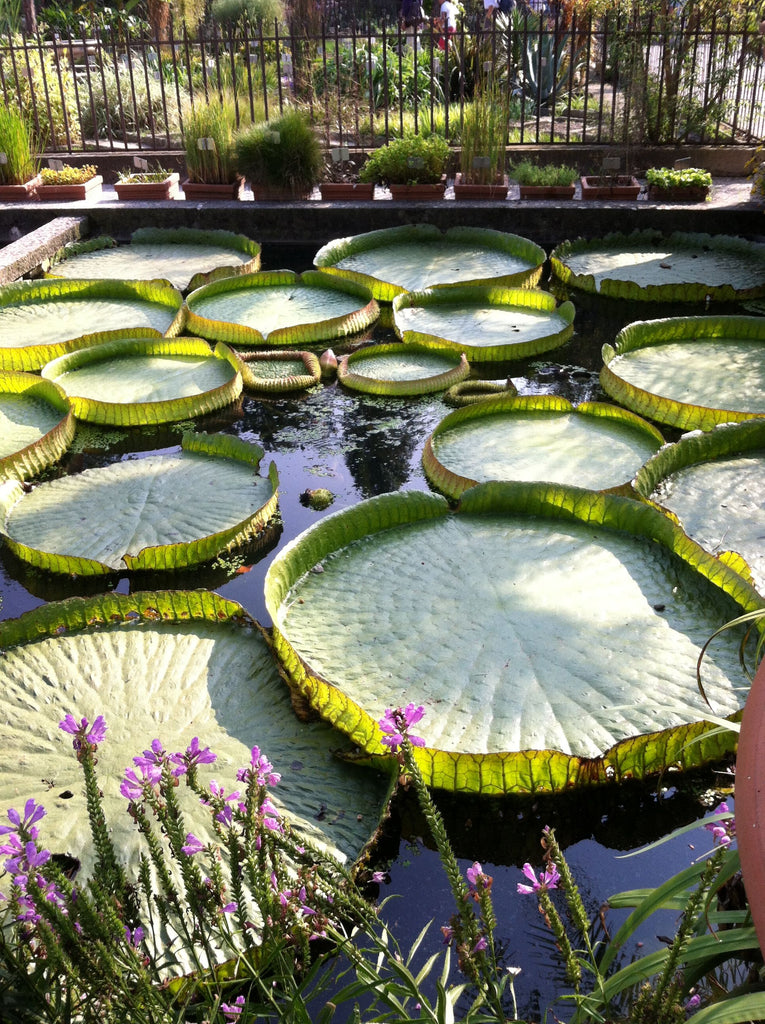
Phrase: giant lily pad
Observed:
(40, 320)
(280, 308)
(681, 267)
(163, 512)
(131, 382)
(401, 370)
(277, 372)
(689, 372)
(551, 633)
(170, 666)
(185, 257)
(486, 323)
(419, 256)
(538, 438)
(714, 483)
(36, 424)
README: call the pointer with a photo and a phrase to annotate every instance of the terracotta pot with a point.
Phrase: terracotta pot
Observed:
(414, 192)
(153, 190)
(467, 190)
(347, 190)
(622, 186)
(679, 194)
(20, 193)
(83, 190)
(203, 190)
(547, 191)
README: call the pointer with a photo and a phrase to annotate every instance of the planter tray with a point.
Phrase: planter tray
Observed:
(20, 193)
(547, 191)
(468, 190)
(213, 190)
(623, 186)
(167, 189)
(82, 190)
(681, 194)
(409, 192)
(347, 190)
(276, 194)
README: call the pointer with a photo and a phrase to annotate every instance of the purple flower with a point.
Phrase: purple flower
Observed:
(693, 1002)
(134, 787)
(134, 937)
(193, 755)
(396, 723)
(229, 908)
(232, 1011)
(260, 768)
(448, 933)
(378, 876)
(548, 880)
(722, 831)
(81, 733)
(26, 858)
(481, 945)
(151, 758)
(193, 845)
(33, 812)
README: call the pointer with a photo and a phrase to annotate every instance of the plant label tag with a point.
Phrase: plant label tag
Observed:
(612, 163)
(415, 161)
(56, 165)
(681, 162)
(481, 162)
(140, 164)
(3, 158)
(340, 153)
(275, 137)
(487, 66)
(206, 143)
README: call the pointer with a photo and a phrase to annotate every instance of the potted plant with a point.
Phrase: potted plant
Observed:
(341, 177)
(67, 182)
(670, 184)
(484, 143)
(143, 183)
(545, 181)
(281, 159)
(19, 161)
(412, 167)
(610, 186)
(208, 137)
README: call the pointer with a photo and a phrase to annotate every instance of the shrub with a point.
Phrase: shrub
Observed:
(281, 154)
(412, 160)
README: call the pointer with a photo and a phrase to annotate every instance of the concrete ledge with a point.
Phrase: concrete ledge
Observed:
(28, 251)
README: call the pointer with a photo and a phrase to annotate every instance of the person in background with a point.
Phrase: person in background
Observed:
(410, 15)
(448, 20)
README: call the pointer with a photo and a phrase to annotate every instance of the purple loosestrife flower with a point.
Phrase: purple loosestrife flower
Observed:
(82, 733)
(232, 1011)
(548, 880)
(396, 723)
(192, 756)
(33, 812)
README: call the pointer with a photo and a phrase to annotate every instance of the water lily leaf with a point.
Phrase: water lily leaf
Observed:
(413, 257)
(401, 370)
(550, 632)
(36, 424)
(538, 438)
(714, 482)
(486, 323)
(172, 666)
(277, 372)
(647, 266)
(186, 258)
(40, 320)
(689, 372)
(166, 512)
(280, 308)
(135, 381)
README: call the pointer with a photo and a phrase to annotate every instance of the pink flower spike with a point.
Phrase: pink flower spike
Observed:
(232, 1011)
(97, 731)
(474, 873)
(548, 880)
(192, 845)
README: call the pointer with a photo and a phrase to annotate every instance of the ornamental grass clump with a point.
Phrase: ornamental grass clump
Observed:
(20, 160)
(526, 172)
(283, 154)
(208, 136)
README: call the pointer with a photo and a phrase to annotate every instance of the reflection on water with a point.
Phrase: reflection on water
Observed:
(358, 446)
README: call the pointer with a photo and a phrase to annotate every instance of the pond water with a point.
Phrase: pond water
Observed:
(359, 446)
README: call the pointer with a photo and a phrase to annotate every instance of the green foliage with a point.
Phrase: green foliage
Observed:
(484, 134)
(411, 160)
(285, 153)
(214, 121)
(671, 178)
(68, 175)
(526, 172)
(45, 92)
(21, 160)
(132, 176)
(252, 11)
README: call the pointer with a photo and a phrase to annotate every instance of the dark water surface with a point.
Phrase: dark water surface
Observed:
(359, 446)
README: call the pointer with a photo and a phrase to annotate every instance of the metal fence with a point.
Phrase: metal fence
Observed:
(612, 80)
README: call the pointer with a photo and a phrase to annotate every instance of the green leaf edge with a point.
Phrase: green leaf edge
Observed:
(647, 333)
(201, 236)
(400, 388)
(30, 461)
(486, 295)
(279, 385)
(136, 414)
(527, 771)
(453, 484)
(319, 331)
